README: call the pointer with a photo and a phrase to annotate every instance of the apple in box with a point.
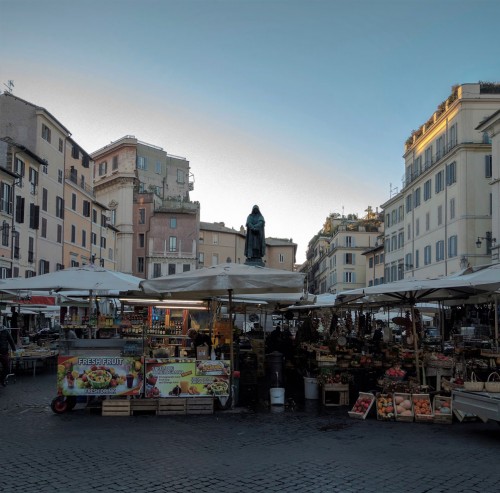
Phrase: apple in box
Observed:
(362, 405)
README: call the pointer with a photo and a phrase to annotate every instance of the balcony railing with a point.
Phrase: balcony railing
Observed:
(72, 177)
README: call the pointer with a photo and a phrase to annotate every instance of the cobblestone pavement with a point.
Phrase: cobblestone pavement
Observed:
(312, 449)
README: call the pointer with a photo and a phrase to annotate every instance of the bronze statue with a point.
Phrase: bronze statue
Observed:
(255, 242)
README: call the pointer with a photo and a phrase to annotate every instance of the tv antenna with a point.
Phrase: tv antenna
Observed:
(392, 189)
(9, 86)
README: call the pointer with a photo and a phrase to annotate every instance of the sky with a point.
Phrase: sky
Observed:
(299, 106)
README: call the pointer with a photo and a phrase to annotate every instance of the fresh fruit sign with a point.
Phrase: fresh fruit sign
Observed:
(103, 375)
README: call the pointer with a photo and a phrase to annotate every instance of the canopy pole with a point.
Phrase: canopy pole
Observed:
(231, 347)
(495, 296)
(415, 342)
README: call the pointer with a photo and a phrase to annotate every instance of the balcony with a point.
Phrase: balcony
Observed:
(176, 204)
(71, 176)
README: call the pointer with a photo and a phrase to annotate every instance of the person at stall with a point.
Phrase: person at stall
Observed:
(377, 338)
(198, 338)
(307, 332)
(6, 343)
(70, 333)
(273, 342)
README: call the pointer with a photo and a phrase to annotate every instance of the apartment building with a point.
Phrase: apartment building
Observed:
(147, 193)
(374, 263)
(445, 204)
(281, 253)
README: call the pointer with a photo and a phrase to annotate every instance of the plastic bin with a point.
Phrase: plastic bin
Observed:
(311, 390)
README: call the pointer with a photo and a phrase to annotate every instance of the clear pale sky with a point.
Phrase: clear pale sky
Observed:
(299, 106)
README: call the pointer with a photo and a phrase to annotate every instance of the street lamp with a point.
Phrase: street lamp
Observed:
(489, 240)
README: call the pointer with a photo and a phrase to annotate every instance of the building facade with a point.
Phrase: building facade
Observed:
(147, 193)
(445, 202)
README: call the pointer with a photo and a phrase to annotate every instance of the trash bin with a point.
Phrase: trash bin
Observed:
(274, 369)
(311, 390)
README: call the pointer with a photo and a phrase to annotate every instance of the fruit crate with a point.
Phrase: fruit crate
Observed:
(200, 405)
(443, 411)
(171, 406)
(385, 407)
(115, 407)
(365, 400)
(422, 408)
(400, 409)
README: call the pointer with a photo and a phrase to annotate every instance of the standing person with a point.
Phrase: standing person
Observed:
(6, 341)
(199, 339)
(255, 242)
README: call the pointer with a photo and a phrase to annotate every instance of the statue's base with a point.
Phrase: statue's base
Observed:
(255, 262)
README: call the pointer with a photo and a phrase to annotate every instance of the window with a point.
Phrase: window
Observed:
(440, 150)
(427, 255)
(142, 216)
(453, 135)
(215, 238)
(103, 168)
(19, 169)
(103, 242)
(59, 208)
(186, 267)
(140, 264)
(172, 244)
(387, 220)
(171, 269)
(439, 250)
(417, 167)
(43, 232)
(141, 240)
(75, 152)
(401, 240)
(349, 259)
(451, 173)
(73, 233)
(427, 221)
(31, 249)
(114, 165)
(45, 132)
(173, 223)
(104, 220)
(110, 253)
(417, 197)
(34, 216)
(5, 233)
(33, 179)
(43, 267)
(59, 233)
(417, 259)
(180, 176)
(486, 138)
(417, 226)
(408, 203)
(6, 198)
(408, 232)
(281, 258)
(488, 166)
(112, 218)
(452, 246)
(93, 238)
(84, 238)
(349, 241)
(94, 216)
(73, 202)
(427, 190)
(141, 162)
(156, 270)
(45, 199)
(215, 259)
(61, 144)
(60, 175)
(439, 182)
(408, 262)
(440, 215)
(158, 167)
(394, 243)
(349, 277)
(394, 216)
(428, 157)
(370, 262)
(452, 208)
(401, 213)
(201, 257)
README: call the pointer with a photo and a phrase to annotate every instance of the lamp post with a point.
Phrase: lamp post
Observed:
(489, 241)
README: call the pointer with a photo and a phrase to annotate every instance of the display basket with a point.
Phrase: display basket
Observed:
(385, 407)
(473, 385)
(492, 384)
(362, 406)
(400, 411)
(422, 408)
(443, 411)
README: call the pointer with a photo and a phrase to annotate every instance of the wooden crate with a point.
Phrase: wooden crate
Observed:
(172, 406)
(144, 406)
(385, 407)
(439, 403)
(423, 418)
(335, 394)
(200, 405)
(370, 398)
(399, 417)
(115, 407)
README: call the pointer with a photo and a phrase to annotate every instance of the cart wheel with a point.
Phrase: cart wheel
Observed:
(61, 404)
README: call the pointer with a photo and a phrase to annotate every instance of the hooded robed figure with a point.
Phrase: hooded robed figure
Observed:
(255, 243)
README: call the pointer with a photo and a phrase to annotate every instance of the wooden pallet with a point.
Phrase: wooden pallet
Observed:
(144, 406)
(172, 406)
(114, 407)
(200, 405)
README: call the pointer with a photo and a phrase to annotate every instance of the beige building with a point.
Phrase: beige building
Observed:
(281, 253)
(147, 193)
(374, 264)
(445, 203)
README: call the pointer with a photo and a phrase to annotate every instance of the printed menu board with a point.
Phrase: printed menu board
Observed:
(186, 377)
(102, 375)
